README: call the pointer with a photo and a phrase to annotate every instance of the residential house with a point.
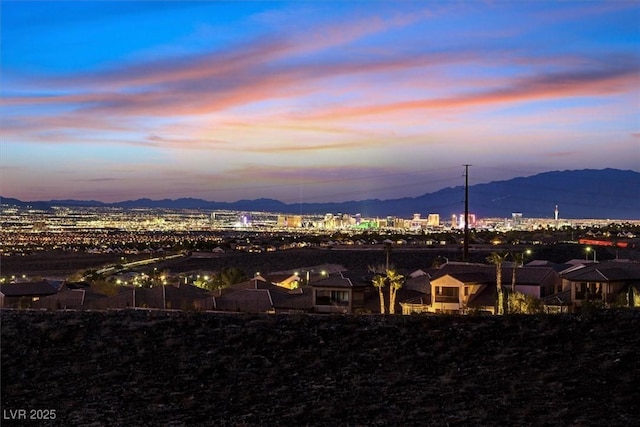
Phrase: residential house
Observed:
(463, 288)
(66, 299)
(176, 296)
(557, 303)
(607, 282)
(455, 292)
(70, 295)
(340, 293)
(25, 293)
(259, 296)
(415, 295)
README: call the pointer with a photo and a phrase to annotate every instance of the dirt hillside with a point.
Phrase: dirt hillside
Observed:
(136, 368)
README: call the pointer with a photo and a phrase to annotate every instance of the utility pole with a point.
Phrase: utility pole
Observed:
(465, 253)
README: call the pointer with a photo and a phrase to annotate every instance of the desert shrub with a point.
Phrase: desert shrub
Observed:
(520, 303)
(636, 298)
(622, 300)
(591, 306)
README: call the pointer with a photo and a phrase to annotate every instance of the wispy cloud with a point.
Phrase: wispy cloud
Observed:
(602, 81)
(307, 95)
(97, 179)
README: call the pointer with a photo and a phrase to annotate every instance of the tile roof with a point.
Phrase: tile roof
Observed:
(483, 273)
(418, 299)
(559, 299)
(487, 297)
(245, 300)
(27, 289)
(339, 281)
(473, 277)
(405, 295)
(277, 278)
(358, 278)
(263, 300)
(544, 263)
(419, 283)
(608, 271)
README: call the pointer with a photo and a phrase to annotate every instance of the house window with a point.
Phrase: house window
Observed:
(588, 290)
(340, 297)
(450, 292)
(447, 294)
(328, 297)
(466, 291)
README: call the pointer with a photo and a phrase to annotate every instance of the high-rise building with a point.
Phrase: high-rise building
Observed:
(516, 219)
(472, 220)
(433, 220)
(294, 221)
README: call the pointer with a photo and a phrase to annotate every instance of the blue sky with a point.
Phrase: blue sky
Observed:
(310, 101)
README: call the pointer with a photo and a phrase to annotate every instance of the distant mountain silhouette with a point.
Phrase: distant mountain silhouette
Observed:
(606, 193)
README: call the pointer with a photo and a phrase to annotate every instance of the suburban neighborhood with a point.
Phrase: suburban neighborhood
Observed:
(451, 288)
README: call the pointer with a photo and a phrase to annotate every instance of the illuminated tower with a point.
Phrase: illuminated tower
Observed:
(555, 216)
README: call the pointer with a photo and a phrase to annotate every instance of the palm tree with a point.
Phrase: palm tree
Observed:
(518, 260)
(376, 269)
(379, 282)
(387, 251)
(395, 282)
(498, 259)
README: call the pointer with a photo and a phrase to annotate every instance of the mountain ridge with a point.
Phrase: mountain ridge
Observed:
(586, 193)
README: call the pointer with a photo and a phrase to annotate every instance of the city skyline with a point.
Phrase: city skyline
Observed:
(304, 102)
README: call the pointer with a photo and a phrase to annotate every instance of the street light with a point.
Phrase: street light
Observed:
(300, 278)
(589, 249)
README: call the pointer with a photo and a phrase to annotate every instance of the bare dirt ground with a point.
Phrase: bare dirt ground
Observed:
(137, 368)
(57, 263)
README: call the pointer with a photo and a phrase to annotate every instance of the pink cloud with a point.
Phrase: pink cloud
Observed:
(599, 82)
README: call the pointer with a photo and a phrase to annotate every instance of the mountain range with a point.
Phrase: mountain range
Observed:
(587, 193)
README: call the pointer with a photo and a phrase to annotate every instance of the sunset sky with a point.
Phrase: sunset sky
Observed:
(310, 101)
